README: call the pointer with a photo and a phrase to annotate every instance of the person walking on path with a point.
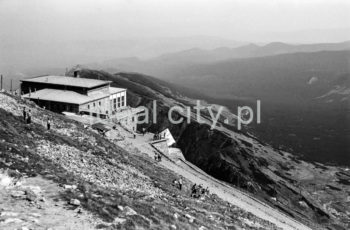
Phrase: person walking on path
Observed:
(29, 117)
(24, 114)
(180, 183)
(48, 124)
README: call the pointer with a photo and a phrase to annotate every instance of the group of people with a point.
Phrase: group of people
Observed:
(157, 157)
(27, 117)
(178, 183)
(198, 190)
(158, 136)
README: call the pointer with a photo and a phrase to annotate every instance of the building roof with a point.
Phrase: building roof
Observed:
(69, 81)
(97, 94)
(65, 96)
(71, 97)
(114, 90)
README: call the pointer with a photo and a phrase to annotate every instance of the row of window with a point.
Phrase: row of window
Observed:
(119, 102)
(116, 103)
(94, 104)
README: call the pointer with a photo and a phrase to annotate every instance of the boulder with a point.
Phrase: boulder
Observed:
(30, 195)
(12, 220)
(74, 202)
(12, 214)
(190, 218)
(5, 180)
(118, 220)
(129, 211)
(18, 194)
(72, 187)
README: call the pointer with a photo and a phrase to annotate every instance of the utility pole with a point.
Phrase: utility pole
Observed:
(1, 81)
(11, 87)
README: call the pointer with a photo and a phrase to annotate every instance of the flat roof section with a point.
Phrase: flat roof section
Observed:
(69, 81)
(99, 94)
(114, 90)
(67, 96)
(64, 96)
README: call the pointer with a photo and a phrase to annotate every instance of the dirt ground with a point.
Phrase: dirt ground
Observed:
(47, 212)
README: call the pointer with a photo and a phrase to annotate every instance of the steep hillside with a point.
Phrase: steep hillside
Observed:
(310, 192)
(305, 98)
(73, 168)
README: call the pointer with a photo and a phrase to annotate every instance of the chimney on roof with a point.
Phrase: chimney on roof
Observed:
(77, 73)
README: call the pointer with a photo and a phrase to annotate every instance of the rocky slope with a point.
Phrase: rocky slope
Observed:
(91, 178)
(313, 193)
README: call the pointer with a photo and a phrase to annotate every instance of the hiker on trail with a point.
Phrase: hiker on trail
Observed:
(143, 131)
(29, 117)
(193, 190)
(180, 183)
(175, 183)
(194, 193)
(194, 187)
(155, 137)
(48, 124)
(134, 135)
(24, 114)
(157, 157)
(207, 191)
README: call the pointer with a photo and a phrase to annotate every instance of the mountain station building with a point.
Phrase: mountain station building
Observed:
(74, 94)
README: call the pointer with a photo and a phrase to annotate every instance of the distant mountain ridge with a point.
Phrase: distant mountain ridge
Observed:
(164, 66)
(198, 55)
(250, 50)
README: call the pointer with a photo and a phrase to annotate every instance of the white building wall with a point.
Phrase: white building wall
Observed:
(100, 106)
(118, 100)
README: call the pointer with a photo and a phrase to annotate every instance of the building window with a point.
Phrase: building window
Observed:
(94, 104)
(118, 102)
(123, 101)
(88, 106)
(99, 103)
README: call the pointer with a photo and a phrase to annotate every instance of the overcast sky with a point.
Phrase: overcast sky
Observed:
(70, 20)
